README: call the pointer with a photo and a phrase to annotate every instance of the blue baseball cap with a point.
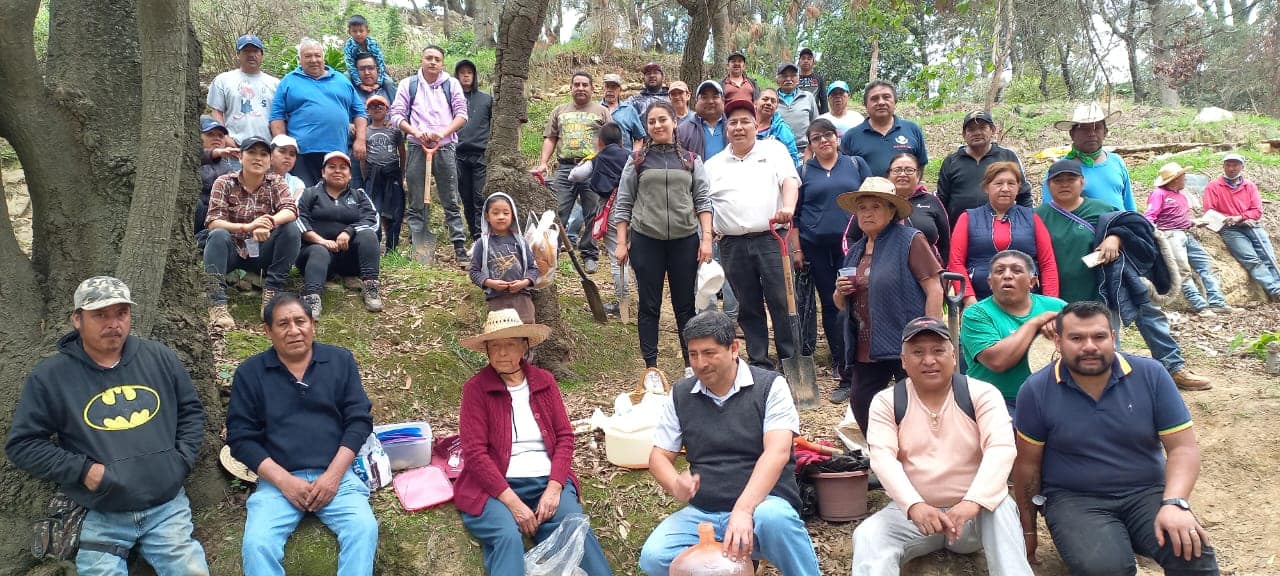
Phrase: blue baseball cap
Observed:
(208, 123)
(838, 84)
(248, 40)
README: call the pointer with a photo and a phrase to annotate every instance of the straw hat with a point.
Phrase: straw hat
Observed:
(506, 323)
(875, 187)
(236, 467)
(1085, 114)
(1169, 172)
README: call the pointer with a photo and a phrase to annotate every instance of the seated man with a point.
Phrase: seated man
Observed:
(1094, 429)
(248, 210)
(1237, 198)
(736, 423)
(943, 457)
(298, 415)
(126, 458)
(998, 331)
(340, 231)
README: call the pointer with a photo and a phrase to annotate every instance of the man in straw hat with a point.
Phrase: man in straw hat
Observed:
(129, 427)
(1170, 210)
(298, 415)
(736, 423)
(1237, 198)
(518, 446)
(1106, 176)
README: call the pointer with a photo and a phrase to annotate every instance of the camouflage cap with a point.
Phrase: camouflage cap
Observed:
(100, 292)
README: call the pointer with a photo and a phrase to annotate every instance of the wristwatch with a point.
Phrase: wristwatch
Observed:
(1179, 502)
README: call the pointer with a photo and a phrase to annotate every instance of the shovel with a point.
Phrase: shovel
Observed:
(799, 369)
(955, 302)
(424, 243)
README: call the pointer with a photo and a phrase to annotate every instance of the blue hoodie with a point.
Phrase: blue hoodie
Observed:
(780, 131)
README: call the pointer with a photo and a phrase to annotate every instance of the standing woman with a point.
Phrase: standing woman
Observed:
(904, 286)
(821, 224)
(1000, 224)
(663, 212)
(927, 213)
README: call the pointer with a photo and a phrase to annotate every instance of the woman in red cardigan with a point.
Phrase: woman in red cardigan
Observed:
(517, 446)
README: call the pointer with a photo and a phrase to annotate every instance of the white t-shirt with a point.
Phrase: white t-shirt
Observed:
(746, 192)
(849, 120)
(528, 452)
(245, 102)
(296, 186)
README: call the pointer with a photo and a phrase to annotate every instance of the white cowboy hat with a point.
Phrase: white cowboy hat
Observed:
(1169, 172)
(875, 187)
(505, 323)
(1085, 114)
(236, 467)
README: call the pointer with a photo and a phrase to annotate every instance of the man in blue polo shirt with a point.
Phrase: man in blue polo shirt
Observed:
(883, 134)
(318, 107)
(1092, 432)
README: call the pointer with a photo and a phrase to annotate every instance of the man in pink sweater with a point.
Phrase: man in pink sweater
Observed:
(944, 460)
(1237, 198)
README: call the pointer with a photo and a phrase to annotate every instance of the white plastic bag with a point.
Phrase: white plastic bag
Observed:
(543, 238)
(372, 465)
(709, 281)
(560, 553)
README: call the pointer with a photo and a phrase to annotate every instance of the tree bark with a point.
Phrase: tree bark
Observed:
(873, 70)
(720, 31)
(696, 43)
(1002, 42)
(1162, 54)
(77, 125)
(1064, 66)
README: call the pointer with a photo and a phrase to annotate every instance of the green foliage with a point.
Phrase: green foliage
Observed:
(844, 42)
(531, 135)
(41, 31)
(1025, 89)
(394, 34)
(333, 57)
(1259, 347)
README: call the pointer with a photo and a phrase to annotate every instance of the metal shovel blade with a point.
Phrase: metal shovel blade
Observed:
(801, 374)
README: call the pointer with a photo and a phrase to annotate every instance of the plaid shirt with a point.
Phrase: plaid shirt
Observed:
(231, 202)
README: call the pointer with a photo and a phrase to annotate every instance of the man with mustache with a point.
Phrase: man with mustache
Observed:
(1106, 443)
(129, 426)
(883, 134)
(240, 99)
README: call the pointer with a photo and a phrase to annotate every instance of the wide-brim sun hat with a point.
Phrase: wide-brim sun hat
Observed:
(506, 323)
(1085, 114)
(236, 467)
(874, 187)
(1168, 173)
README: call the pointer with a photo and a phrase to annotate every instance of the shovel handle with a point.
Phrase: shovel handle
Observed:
(787, 274)
(948, 278)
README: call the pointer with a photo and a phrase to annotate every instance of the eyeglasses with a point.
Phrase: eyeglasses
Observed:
(823, 137)
(366, 68)
(377, 106)
(902, 171)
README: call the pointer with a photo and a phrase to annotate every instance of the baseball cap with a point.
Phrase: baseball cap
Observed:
(613, 79)
(925, 324)
(735, 105)
(679, 85)
(736, 54)
(976, 115)
(248, 40)
(336, 154)
(252, 141)
(1233, 156)
(283, 140)
(208, 123)
(710, 84)
(651, 66)
(837, 85)
(376, 98)
(805, 50)
(1064, 166)
(100, 292)
(785, 65)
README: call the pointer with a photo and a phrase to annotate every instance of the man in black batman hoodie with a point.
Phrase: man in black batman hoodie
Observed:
(129, 426)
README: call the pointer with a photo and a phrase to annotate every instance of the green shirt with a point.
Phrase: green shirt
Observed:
(1071, 242)
(986, 324)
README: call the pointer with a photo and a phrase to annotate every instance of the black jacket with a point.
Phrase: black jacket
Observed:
(473, 138)
(1140, 258)
(141, 419)
(351, 212)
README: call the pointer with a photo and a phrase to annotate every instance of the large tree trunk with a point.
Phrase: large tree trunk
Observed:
(1162, 53)
(720, 32)
(873, 70)
(696, 43)
(1001, 47)
(1064, 67)
(78, 127)
(518, 28)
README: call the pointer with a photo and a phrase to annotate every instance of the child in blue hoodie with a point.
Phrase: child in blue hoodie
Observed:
(501, 261)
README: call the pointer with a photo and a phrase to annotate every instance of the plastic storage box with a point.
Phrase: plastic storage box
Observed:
(406, 453)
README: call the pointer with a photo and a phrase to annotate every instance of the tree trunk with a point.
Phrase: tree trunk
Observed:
(519, 26)
(720, 31)
(86, 129)
(1162, 54)
(415, 14)
(1001, 44)
(696, 43)
(873, 71)
(1064, 66)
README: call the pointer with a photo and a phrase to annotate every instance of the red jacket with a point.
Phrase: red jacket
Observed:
(484, 425)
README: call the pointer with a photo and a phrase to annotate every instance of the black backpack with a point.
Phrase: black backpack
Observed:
(959, 389)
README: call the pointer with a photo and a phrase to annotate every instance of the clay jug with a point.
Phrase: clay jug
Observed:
(707, 558)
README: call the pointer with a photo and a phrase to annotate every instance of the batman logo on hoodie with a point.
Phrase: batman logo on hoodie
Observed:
(122, 408)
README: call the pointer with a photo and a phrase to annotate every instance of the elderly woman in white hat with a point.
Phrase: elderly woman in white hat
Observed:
(517, 445)
(905, 286)
(1170, 210)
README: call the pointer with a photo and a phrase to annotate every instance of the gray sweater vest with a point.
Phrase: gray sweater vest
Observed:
(724, 442)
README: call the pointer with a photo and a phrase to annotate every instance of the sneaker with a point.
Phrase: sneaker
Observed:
(313, 303)
(267, 295)
(460, 255)
(1190, 381)
(372, 298)
(1205, 313)
(1225, 308)
(613, 309)
(591, 266)
(220, 317)
(840, 395)
(352, 283)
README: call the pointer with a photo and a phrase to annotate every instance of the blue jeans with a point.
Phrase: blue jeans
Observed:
(824, 262)
(781, 538)
(1202, 263)
(272, 518)
(1098, 535)
(502, 542)
(162, 534)
(1252, 247)
(1153, 325)
(275, 258)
